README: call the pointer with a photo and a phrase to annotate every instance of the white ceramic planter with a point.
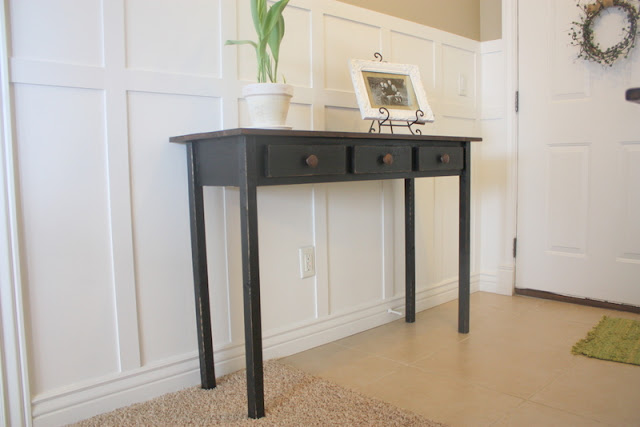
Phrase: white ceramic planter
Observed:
(268, 104)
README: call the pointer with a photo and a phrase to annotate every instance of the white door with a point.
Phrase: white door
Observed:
(578, 162)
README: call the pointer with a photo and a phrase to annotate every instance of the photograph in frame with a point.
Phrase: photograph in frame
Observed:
(394, 87)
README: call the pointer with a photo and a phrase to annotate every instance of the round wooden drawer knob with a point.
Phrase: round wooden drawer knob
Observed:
(312, 161)
(387, 159)
(445, 158)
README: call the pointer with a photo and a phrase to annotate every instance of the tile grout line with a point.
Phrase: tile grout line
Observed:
(508, 413)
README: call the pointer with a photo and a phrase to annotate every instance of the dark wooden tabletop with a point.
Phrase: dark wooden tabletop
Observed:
(322, 134)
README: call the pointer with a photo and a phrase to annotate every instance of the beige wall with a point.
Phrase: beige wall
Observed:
(490, 20)
(463, 17)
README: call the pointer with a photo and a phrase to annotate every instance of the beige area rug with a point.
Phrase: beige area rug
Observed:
(292, 398)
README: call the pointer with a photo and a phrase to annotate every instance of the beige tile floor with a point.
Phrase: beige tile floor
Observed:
(514, 368)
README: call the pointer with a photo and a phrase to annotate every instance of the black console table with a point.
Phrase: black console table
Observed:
(249, 158)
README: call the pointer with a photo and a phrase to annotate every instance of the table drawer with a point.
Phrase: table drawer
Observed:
(381, 159)
(305, 160)
(440, 158)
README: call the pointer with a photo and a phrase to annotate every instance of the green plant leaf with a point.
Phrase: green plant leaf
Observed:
(273, 16)
(233, 42)
(258, 13)
(274, 32)
(262, 58)
(275, 38)
(269, 70)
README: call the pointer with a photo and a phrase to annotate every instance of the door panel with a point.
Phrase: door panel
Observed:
(578, 164)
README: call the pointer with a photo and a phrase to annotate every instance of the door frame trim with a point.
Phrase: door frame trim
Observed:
(507, 269)
(15, 394)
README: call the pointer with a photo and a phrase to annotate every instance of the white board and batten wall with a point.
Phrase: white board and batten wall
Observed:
(100, 195)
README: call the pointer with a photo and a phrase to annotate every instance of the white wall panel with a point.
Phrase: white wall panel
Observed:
(492, 170)
(345, 120)
(66, 237)
(246, 53)
(492, 87)
(217, 264)
(446, 220)
(428, 259)
(171, 36)
(347, 39)
(296, 52)
(234, 267)
(160, 217)
(354, 244)
(449, 125)
(300, 116)
(285, 224)
(48, 30)
(459, 82)
(411, 49)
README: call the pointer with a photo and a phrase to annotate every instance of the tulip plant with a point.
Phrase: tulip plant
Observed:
(269, 25)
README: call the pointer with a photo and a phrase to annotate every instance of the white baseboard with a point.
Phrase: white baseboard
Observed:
(499, 282)
(506, 280)
(82, 401)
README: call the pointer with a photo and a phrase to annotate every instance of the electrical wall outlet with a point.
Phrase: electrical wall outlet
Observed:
(307, 261)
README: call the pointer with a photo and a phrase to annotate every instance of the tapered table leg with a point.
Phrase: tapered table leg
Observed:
(410, 250)
(464, 267)
(200, 277)
(251, 283)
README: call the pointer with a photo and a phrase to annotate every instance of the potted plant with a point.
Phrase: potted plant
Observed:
(268, 100)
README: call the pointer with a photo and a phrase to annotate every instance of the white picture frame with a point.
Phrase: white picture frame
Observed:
(402, 94)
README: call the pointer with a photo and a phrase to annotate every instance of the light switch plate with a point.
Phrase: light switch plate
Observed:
(462, 85)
